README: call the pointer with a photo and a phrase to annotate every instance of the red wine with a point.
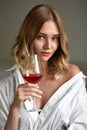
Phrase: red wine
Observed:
(32, 78)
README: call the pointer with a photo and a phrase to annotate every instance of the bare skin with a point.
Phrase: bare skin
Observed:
(49, 85)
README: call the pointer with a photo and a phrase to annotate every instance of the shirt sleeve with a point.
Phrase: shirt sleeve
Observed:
(4, 103)
(7, 91)
(78, 120)
(3, 109)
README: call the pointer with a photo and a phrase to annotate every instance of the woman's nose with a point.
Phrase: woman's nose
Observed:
(47, 44)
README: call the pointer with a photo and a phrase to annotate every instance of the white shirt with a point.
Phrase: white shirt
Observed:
(65, 110)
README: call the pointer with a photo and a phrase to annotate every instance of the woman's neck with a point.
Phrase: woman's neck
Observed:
(44, 68)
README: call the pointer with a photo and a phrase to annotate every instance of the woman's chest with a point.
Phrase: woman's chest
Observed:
(48, 88)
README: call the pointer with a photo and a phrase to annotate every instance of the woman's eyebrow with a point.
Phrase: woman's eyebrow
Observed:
(47, 35)
(40, 33)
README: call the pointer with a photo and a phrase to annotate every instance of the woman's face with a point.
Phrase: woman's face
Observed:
(46, 42)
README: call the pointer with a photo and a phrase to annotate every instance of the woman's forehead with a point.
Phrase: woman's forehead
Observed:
(49, 27)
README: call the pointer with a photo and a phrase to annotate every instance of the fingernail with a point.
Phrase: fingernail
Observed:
(28, 84)
(37, 86)
(40, 96)
(41, 92)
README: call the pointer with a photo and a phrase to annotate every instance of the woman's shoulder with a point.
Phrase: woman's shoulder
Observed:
(5, 78)
(73, 69)
(7, 75)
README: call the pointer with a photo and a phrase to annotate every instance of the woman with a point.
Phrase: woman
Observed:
(60, 95)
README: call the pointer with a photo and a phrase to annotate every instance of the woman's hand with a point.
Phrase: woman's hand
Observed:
(23, 93)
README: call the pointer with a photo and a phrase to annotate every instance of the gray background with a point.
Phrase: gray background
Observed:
(73, 12)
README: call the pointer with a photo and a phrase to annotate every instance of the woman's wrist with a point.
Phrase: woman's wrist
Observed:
(13, 119)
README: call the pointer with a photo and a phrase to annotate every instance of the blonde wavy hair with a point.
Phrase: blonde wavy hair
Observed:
(22, 51)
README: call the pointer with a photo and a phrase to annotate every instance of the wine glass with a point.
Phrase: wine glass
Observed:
(32, 75)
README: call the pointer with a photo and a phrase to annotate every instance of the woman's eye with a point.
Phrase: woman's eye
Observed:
(55, 38)
(40, 37)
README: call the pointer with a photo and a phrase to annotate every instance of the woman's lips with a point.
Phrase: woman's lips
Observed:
(45, 53)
